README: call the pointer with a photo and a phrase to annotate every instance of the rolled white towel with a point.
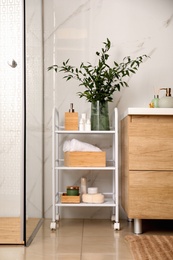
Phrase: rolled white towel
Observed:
(75, 145)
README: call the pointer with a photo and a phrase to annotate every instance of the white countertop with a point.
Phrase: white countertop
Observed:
(147, 111)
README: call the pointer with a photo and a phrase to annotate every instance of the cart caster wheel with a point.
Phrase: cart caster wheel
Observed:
(116, 226)
(53, 226)
(113, 218)
(57, 217)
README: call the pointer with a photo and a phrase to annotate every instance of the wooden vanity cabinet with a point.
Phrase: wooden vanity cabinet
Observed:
(147, 166)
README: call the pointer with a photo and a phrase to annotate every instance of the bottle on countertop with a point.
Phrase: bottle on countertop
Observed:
(155, 101)
(166, 101)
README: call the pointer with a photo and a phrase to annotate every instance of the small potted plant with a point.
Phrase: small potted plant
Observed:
(100, 82)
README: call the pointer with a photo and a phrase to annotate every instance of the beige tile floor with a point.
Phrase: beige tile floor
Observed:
(80, 240)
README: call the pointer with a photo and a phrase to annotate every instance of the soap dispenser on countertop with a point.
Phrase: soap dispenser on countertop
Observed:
(166, 101)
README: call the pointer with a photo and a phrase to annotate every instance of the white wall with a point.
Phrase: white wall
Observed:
(76, 29)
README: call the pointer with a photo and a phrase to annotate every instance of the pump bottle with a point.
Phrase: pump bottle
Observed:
(166, 101)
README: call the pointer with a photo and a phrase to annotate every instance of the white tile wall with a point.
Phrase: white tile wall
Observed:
(11, 109)
(11, 156)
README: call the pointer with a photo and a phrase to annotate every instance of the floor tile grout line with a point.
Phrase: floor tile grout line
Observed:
(82, 240)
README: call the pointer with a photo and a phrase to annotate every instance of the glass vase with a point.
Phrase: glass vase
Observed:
(99, 116)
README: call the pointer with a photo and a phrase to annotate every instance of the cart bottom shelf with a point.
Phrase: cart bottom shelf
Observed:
(106, 203)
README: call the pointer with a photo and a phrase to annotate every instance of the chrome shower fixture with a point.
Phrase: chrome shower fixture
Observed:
(12, 64)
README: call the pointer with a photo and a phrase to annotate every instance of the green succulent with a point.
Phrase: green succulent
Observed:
(101, 81)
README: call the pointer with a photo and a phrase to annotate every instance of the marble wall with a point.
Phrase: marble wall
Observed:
(75, 30)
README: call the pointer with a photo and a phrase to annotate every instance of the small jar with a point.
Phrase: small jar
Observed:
(73, 191)
(92, 190)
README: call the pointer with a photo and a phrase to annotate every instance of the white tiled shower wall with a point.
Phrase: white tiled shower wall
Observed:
(11, 107)
(75, 30)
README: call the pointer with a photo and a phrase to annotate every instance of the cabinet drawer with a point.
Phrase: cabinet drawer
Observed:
(151, 194)
(150, 142)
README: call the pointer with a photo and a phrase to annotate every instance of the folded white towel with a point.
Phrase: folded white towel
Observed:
(75, 145)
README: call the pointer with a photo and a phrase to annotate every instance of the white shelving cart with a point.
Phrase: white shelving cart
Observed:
(111, 198)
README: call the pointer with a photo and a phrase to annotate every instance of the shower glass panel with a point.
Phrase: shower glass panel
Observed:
(21, 120)
(34, 116)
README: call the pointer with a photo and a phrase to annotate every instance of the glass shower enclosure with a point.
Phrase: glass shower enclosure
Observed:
(21, 120)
